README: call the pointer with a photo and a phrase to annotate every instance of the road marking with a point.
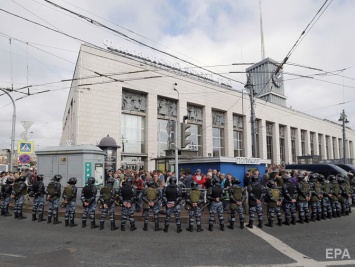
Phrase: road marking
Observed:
(12, 255)
(301, 259)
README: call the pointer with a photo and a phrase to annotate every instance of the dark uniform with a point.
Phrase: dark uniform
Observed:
(289, 193)
(335, 192)
(344, 196)
(69, 196)
(6, 191)
(107, 199)
(38, 192)
(352, 184)
(151, 199)
(256, 194)
(171, 200)
(194, 203)
(127, 195)
(88, 197)
(19, 191)
(237, 196)
(53, 196)
(303, 190)
(273, 198)
(325, 201)
(215, 195)
(316, 196)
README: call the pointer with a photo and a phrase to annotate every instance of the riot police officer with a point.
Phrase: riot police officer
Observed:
(352, 185)
(171, 200)
(151, 199)
(215, 195)
(53, 196)
(316, 196)
(327, 195)
(69, 196)
(127, 195)
(18, 192)
(194, 203)
(303, 191)
(237, 196)
(107, 199)
(88, 197)
(289, 193)
(274, 199)
(38, 192)
(256, 194)
(343, 196)
(335, 192)
(6, 191)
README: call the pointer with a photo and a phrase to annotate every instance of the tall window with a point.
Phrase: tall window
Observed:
(238, 135)
(311, 137)
(269, 151)
(132, 130)
(282, 130)
(293, 144)
(303, 142)
(327, 150)
(218, 133)
(320, 138)
(195, 118)
(333, 143)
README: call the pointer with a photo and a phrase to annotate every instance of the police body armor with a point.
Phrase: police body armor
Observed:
(106, 194)
(6, 190)
(69, 191)
(151, 196)
(88, 192)
(343, 189)
(237, 195)
(317, 191)
(127, 193)
(257, 190)
(194, 198)
(291, 189)
(52, 190)
(217, 191)
(305, 190)
(336, 191)
(327, 188)
(171, 193)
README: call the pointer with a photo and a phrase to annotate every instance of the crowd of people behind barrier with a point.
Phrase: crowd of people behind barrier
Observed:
(328, 197)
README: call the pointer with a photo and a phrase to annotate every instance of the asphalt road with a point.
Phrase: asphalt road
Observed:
(27, 243)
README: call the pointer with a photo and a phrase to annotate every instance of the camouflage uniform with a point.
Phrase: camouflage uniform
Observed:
(107, 197)
(215, 195)
(38, 192)
(6, 191)
(151, 194)
(88, 196)
(194, 197)
(172, 196)
(335, 191)
(237, 195)
(316, 195)
(273, 196)
(69, 196)
(127, 195)
(256, 194)
(289, 193)
(19, 191)
(53, 194)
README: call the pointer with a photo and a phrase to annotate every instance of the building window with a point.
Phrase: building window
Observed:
(218, 133)
(327, 151)
(196, 139)
(293, 144)
(320, 145)
(303, 142)
(282, 130)
(334, 150)
(238, 135)
(269, 150)
(132, 130)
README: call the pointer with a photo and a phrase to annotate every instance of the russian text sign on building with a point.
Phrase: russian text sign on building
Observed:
(88, 171)
(243, 160)
(25, 147)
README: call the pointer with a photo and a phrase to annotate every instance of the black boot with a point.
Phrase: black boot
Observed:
(145, 227)
(210, 227)
(15, 215)
(113, 226)
(49, 219)
(40, 218)
(166, 228)
(300, 221)
(329, 215)
(156, 228)
(83, 224)
(250, 224)
(338, 214)
(2, 212)
(199, 229)
(191, 228)
(7, 212)
(347, 213)
(318, 217)
(222, 227)
(279, 222)
(231, 225)
(34, 218)
(260, 225)
(286, 222)
(133, 227)
(123, 227)
(66, 223)
(93, 225)
(306, 220)
(241, 224)
(270, 223)
(102, 225)
(313, 218)
(349, 209)
(293, 221)
(20, 217)
(56, 220)
(72, 224)
(178, 230)
(324, 217)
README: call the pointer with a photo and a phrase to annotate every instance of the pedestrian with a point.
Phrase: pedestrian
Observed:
(69, 196)
(127, 195)
(107, 199)
(200, 179)
(194, 203)
(38, 192)
(18, 193)
(53, 196)
(188, 179)
(88, 198)
(171, 200)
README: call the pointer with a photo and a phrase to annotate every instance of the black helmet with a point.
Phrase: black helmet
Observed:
(150, 183)
(321, 178)
(9, 180)
(194, 185)
(300, 176)
(235, 180)
(129, 181)
(40, 177)
(331, 178)
(172, 180)
(254, 178)
(91, 181)
(341, 180)
(215, 181)
(270, 183)
(286, 177)
(72, 180)
(21, 178)
(110, 181)
(57, 177)
(313, 177)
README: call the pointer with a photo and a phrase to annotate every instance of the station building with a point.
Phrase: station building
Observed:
(137, 99)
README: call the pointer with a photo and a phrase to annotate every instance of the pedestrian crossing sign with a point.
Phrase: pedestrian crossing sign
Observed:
(25, 147)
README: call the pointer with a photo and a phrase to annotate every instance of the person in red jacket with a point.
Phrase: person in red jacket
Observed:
(200, 179)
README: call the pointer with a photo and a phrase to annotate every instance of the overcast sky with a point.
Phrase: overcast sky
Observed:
(205, 32)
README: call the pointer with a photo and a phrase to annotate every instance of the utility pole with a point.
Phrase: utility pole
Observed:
(249, 86)
(344, 119)
(176, 135)
(13, 130)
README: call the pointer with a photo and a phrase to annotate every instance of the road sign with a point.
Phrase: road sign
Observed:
(25, 147)
(24, 158)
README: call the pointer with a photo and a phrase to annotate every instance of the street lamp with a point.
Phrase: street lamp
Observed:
(13, 130)
(176, 134)
(344, 119)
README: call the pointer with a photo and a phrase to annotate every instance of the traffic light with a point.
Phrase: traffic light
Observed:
(185, 134)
